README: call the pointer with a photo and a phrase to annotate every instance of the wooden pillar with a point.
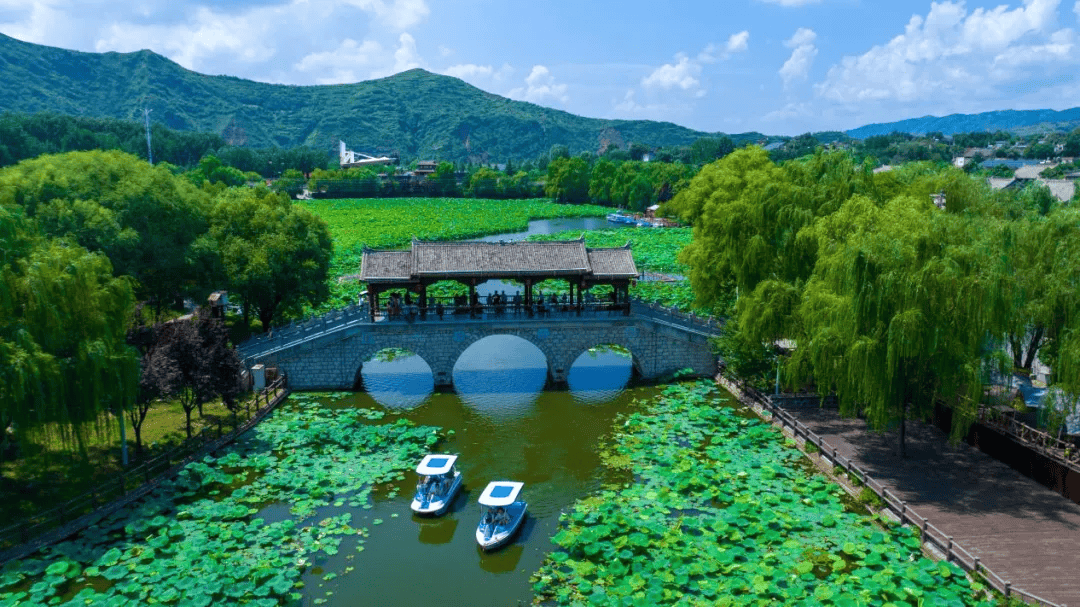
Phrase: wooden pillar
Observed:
(474, 301)
(528, 297)
(423, 301)
(373, 301)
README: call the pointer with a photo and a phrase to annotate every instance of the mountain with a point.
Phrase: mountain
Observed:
(415, 114)
(1003, 120)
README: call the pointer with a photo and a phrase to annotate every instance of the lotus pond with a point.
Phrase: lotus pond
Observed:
(721, 512)
(637, 496)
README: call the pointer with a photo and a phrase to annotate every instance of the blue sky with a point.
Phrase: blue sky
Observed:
(776, 66)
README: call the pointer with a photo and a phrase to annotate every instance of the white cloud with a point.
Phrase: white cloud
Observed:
(1076, 9)
(681, 74)
(736, 43)
(479, 74)
(406, 58)
(952, 53)
(791, 2)
(340, 65)
(801, 37)
(539, 86)
(797, 67)
(400, 14)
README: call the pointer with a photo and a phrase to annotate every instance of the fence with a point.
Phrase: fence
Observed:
(44, 528)
(1063, 452)
(931, 535)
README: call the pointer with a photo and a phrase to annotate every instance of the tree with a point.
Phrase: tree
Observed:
(600, 181)
(708, 149)
(483, 183)
(63, 358)
(896, 314)
(568, 180)
(274, 254)
(1072, 144)
(191, 359)
(142, 217)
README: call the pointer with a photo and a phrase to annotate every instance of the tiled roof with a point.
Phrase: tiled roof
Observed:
(386, 265)
(612, 263)
(448, 258)
(1031, 171)
(1062, 189)
(496, 260)
(1000, 183)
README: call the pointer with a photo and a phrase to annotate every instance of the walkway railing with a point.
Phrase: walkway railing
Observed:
(29, 535)
(930, 535)
(297, 332)
(1062, 452)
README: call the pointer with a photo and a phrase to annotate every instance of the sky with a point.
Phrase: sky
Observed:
(780, 67)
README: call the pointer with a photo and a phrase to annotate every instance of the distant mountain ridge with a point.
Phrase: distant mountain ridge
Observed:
(1001, 120)
(415, 114)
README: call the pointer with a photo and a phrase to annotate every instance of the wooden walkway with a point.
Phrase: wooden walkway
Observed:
(1028, 534)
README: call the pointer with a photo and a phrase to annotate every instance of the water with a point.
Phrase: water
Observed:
(505, 428)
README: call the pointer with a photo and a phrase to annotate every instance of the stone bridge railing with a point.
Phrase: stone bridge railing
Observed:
(289, 335)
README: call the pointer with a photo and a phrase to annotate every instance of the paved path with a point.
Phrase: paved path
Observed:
(1028, 534)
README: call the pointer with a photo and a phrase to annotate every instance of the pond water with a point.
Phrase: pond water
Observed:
(505, 427)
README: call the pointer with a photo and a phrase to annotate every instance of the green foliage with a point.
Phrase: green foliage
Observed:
(719, 514)
(567, 180)
(143, 218)
(871, 499)
(275, 254)
(197, 540)
(28, 136)
(63, 356)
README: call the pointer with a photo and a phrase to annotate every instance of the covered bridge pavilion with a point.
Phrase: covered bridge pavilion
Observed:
(473, 263)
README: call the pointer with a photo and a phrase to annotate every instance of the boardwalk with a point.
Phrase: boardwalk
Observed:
(1028, 534)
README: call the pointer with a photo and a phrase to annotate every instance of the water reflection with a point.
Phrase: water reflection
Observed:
(600, 374)
(501, 375)
(436, 530)
(398, 380)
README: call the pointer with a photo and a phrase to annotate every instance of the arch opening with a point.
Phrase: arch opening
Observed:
(601, 373)
(500, 374)
(396, 378)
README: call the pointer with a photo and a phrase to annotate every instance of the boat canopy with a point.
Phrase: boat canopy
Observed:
(436, 465)
(500, 493)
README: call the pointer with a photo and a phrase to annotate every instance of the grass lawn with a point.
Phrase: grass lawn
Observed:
(47, 472)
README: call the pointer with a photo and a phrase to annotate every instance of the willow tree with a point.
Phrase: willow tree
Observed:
(897, 312)
(63, 356)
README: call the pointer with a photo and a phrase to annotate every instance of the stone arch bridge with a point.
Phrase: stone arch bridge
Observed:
(327, 355)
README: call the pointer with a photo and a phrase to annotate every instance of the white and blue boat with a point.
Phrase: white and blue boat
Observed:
(439, 483)
(501, 513)
(619, 218)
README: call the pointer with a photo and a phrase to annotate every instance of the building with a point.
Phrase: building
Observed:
(425, 168)
(348, 159)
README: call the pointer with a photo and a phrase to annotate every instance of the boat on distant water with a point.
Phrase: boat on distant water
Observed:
(501, 513)
(620, 218)
(439, 482)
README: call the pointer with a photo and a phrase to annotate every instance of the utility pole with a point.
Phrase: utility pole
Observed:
(149, 150)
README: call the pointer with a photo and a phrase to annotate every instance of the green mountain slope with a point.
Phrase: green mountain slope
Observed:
(415, 114)
(1021, 121)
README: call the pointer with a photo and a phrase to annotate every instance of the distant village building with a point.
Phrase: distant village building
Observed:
(425, 168)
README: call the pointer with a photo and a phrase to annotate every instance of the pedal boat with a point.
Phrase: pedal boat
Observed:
(439, 483)
(501, 514)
